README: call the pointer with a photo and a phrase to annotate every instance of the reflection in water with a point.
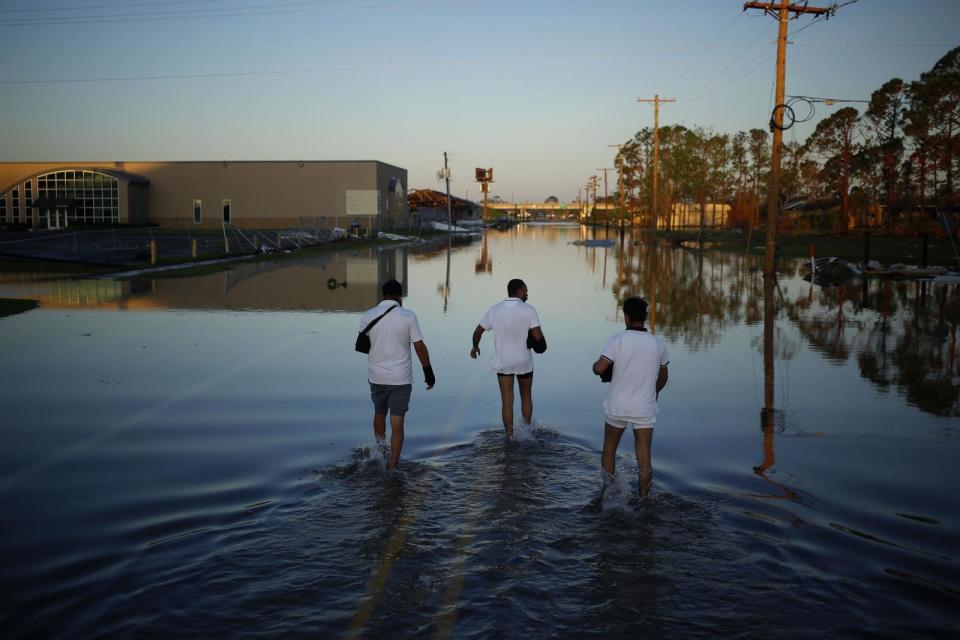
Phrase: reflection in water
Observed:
(900, 336)
(229, 503)
(484, 261)
(768, 414)
(334, 281)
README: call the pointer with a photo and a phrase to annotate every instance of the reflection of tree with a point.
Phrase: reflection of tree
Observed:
(904, 335)
(693, 296)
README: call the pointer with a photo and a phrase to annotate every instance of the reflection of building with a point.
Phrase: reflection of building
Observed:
(331, 282)
(204, 194)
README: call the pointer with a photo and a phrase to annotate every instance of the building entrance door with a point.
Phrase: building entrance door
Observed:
(55, 218)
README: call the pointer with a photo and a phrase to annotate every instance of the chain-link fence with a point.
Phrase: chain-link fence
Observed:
(128, 247)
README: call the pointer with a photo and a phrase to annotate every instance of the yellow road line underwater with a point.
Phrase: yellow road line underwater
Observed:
(378, 580)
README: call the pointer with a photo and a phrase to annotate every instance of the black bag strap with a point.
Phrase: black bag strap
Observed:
(380, 317)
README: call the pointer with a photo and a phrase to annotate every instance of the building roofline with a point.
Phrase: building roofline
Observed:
(220, 160)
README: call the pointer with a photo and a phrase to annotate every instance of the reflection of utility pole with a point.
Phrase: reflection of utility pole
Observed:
(446, 286)
(768, 413)
(656, 100)
(781, 10)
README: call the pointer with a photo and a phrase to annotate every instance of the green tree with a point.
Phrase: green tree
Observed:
(834, 140)
(919, 126)
(759, 148)
(884, 119)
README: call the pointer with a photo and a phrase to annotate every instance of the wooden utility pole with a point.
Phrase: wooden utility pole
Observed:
(445, 172)
(606, 196)
(656, 100)
(780, 10)
(484, 177)
(620, 182)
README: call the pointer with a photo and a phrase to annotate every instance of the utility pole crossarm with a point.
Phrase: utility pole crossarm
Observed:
(773, 7)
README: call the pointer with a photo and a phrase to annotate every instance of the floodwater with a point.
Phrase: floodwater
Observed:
(193, 457)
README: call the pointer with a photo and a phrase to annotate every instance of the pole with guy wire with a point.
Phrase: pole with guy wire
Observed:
(780, 10)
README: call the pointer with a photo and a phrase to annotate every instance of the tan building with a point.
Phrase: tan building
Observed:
(249, 194)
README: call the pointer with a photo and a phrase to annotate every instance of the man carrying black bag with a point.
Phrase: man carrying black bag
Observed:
(634, 362)
(391, 330)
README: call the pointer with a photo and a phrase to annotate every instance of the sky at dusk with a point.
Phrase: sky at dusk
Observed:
(536, 90)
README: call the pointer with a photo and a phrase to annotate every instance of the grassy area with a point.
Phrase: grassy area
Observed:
(885, 249)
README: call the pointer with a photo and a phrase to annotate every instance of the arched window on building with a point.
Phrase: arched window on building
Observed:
(77, 196)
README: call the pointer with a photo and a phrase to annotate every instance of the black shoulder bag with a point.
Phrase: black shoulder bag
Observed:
(363, 340)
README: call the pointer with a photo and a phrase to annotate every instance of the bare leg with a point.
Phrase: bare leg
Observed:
(379, 426)
(526, 398)
(380, 432)
(642, 440)
(506, 398)
(611, 439)
(396, 440)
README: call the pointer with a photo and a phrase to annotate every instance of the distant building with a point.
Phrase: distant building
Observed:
(250, 194)
(431, 206)
(685, 215)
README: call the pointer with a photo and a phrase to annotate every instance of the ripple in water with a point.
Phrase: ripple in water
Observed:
(489, 539)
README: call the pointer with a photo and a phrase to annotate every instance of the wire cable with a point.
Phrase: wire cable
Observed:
(124, 5)
(704, 91)
(175, 14)
(185, 76)
(703, 55)
(765, 57)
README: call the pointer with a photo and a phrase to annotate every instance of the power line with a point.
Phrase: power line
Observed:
(705, 52)
(764, 57)
(148, 19)
(123, 5)
(732, 65)
(930, 45)
(185, 76)
(177, 14)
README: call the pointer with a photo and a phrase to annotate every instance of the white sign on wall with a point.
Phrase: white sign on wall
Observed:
(363, 203)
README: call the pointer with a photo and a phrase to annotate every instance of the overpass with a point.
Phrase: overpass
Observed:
(551, 210)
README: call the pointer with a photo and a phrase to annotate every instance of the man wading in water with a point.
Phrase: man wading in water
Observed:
(516, 329)
(634, 362)
(389, 365)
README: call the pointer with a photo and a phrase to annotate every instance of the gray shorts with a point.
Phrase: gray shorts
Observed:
(395, 397)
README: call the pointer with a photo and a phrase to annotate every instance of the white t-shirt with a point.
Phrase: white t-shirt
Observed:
(637, 357)
(510, 321)
(389, 359)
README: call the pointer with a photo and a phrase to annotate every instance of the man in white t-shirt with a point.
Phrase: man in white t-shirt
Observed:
(516, 329)
(389, 365)
(634, 362)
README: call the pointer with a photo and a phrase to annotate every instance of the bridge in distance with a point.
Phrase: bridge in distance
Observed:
(550, 210)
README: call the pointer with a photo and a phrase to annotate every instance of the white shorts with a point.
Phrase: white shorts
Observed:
(622, 422)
